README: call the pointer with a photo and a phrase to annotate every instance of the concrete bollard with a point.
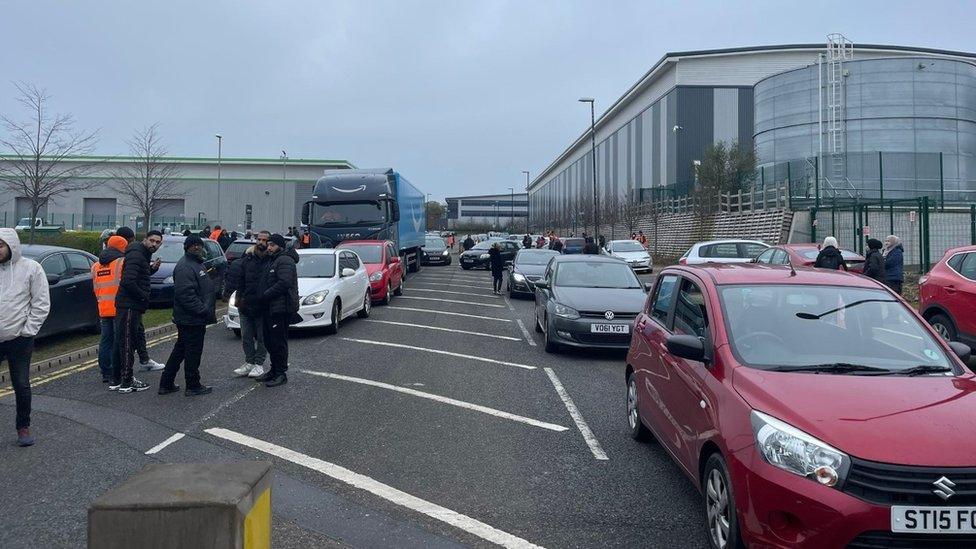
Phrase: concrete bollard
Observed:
(186, 505)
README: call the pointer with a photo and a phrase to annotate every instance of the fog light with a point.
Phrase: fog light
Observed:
(825, 475)
(317, 316)
(564, 335)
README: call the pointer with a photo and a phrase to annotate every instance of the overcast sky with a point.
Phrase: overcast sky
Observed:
(458, 95)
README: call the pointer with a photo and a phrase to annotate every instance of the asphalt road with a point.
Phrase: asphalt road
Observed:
(391, 433)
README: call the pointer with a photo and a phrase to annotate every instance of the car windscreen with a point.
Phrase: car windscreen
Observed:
(812, 253)
(540, 257)
(482, 246)
(776, 327)
(367, 253)
(316, 266)
(596, 274)
(435, 244)
(628, 246)
(170, 251)
(574, 242)
(357, 213)
(238, 248)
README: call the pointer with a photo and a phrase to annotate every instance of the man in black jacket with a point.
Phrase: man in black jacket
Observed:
(874, 262)
(590, 247)
(193, 309)
(244, 277)
(130, 304)
(278, 302)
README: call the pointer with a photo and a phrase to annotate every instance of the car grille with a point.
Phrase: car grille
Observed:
(601, 314)
(880, 539)
(603, 339)
(887, 484)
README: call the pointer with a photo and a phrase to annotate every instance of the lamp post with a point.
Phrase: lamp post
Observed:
(427, 209)
(511, 204)
(596, 198)
(220, 139)
(284, 164)
(527, 201)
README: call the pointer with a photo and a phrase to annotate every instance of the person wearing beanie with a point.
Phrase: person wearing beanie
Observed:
(193, 309)
(278, 302)
(131, 303)
(106, 276)
(830, 256)
(874, 265)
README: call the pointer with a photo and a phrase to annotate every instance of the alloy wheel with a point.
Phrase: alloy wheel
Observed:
(717, 507)
(942, 330)
(632, 418)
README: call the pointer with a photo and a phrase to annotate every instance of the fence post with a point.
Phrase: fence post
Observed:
(941, 184)
(881, 176)
(891, 217)
(813, 224)
(858, 247)
(972, 224)
(816, 187)
(925, 248)
(921, 238)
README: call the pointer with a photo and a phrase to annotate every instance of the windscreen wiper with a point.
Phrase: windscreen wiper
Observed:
(922, 369)
(810, 316)
(835, 368)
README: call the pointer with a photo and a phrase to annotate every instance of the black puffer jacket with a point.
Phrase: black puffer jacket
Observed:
(874, 266)
(280, 284)
(134, 287)
(496, 262)
(830, 258)
(193, 293)
(244, 277)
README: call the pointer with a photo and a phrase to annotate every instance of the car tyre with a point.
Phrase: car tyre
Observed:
(237, 332)
(399, 288)
(551, 346)
(944, 326)
(388, 298)
(367, 303)
(637, 429)
(465, 267)
(721, 520)
(336, 317)
(538, 327)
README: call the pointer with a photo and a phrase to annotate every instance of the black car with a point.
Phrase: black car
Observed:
(573, 245)
(161, 283)
(435, 252)
(477, 257)
(236, 249)
(529, 266)
(587, 301)
(73, 304)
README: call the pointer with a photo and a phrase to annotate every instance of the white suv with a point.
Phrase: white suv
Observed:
(723, 251)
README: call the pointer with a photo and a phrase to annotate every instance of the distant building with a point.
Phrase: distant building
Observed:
(491, 210)
(272, 189)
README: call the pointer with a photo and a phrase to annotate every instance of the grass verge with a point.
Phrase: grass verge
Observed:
(72, 341)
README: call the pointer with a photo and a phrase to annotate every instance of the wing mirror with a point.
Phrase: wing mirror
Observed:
(508, 263)
(688, 347)
(53, 279)
(306, 212)
(542, 284)
(347, 272)
(648, 286)
(963, 351)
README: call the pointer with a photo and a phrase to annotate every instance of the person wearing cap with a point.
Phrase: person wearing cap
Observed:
(193, 310)
(106, 276)
(874, 265)
(26, 301)
(278, 302)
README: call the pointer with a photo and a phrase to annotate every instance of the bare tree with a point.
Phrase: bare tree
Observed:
(630, 209)
(41, 164)
(149, 180)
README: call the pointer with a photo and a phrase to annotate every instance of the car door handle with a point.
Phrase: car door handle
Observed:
(950, 289)
(641, 324)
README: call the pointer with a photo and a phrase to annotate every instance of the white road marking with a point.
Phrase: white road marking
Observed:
(443, 399)
(574, 412)
(440, 352)
(225, 404)
(479, 334)
(440, 285)
(450, 301)
(165, 443)
(485, 278)
(377, 488)
(397, 308)
(469, 294)
(525, 333)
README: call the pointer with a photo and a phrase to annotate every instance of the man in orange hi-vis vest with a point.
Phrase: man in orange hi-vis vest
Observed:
(106, 274)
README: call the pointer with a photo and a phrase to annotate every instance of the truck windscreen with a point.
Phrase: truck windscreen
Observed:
(356, 213)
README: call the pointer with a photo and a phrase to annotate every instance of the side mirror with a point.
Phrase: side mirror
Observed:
(687, 346)
(648, 286)
(508, 263)
(53, 279)
(394, 211)
(542, 284)
(963, 351)
(347, 272)
(306, 212)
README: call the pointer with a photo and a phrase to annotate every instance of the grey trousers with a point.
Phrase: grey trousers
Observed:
(252, 338)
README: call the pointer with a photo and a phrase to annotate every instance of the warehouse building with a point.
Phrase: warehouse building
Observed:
(209, 192)
(498, 211)
(903, 115)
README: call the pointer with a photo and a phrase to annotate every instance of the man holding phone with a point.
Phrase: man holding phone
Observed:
(131, 302)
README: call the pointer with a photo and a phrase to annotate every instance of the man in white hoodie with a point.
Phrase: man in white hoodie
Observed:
(26, 301)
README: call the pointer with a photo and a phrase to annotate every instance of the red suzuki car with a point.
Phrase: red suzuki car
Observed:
(384, 266)
(947, 295)
(811, 408)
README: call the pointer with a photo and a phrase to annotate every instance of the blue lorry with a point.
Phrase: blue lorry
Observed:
(369, 204)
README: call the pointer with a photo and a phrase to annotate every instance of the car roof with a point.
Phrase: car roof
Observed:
(960, 249)
(538, 251)
(43, 249)
(318, 251)
(181, 238)
(586, 258)
(759, 273)
(725, 240)
(365, 242)
(626, 240)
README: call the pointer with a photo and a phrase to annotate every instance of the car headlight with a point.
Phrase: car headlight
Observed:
(559, 309)
(168, 280)
(790, 449)
(376, 277)
(232, 302)
(446, 252)
(484, 256)
(518, 277)
(316, 298)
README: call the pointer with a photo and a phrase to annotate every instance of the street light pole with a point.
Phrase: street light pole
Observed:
(596, 197)
(511, 204)
(527, 201)
(220, 139)
(284, 164)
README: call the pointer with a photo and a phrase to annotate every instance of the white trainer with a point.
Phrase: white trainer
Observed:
(257, 370)
(151, 366)
(244, 369)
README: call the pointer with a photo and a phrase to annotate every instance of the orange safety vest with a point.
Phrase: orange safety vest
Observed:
(106, 281)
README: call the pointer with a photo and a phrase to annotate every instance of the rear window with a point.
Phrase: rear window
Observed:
(368, 253)
(238, 248)
(573, 242)
(724, 249)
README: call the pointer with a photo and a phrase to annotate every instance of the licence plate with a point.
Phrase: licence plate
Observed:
(609, 328)
(933, 520)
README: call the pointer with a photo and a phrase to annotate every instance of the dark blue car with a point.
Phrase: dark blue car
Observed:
(573, 245)
(161, 283)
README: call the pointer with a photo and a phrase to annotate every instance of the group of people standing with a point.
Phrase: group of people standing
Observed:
(884, 261)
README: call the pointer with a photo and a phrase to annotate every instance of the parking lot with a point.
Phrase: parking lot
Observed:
(437, 421)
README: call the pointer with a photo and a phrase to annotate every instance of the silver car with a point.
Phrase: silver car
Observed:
(633, 253)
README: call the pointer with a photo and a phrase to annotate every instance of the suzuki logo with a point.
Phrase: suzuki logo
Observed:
(608, 315)
(943, 488)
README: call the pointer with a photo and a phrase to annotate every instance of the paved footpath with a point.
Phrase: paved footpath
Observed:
(437, 422)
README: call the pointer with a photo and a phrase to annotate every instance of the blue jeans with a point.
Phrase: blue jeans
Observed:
(106, 347)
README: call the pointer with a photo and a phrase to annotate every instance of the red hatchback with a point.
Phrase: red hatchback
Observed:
(947, 295)
(805, 255)
(383, 265)
(811, 408)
